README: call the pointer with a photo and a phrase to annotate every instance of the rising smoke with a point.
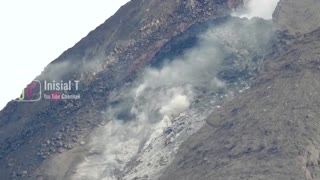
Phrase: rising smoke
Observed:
(257, 8)
(141, 112)
(144, 111)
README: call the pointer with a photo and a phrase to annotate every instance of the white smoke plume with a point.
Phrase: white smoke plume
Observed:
(141, 111)
(257, 8)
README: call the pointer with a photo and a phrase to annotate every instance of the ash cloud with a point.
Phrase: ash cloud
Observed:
(142, 111)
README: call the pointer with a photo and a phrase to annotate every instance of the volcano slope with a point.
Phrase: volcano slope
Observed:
(268, 132)
(272, 130)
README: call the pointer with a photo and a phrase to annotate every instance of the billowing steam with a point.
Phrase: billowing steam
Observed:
(142, 111)
(257, 8)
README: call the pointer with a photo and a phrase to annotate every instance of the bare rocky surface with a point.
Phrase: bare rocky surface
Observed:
(297, 17)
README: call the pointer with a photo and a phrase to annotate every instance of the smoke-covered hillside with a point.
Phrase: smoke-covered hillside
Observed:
(177, 90)
(150, 117)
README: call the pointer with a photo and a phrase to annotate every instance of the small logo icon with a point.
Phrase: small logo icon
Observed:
(31, 93)
(56, 96)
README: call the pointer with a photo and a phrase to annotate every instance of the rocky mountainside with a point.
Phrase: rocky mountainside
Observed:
(177, 90)
(271, 131)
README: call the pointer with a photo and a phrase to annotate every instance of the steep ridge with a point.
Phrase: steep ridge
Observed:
(271, 131)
